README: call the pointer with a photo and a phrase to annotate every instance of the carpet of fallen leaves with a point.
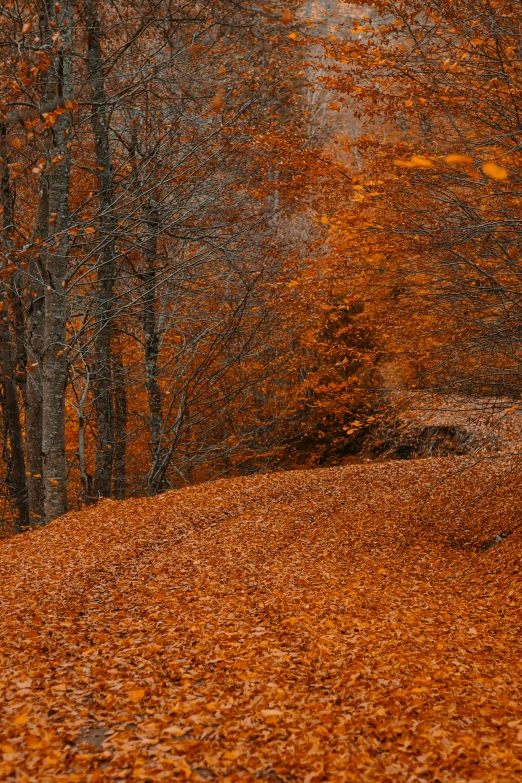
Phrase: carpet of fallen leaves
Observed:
(350, 624)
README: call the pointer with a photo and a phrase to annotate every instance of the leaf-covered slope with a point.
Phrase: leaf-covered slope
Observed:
(357, 623)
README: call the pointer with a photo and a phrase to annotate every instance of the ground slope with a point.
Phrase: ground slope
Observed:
(358, 623)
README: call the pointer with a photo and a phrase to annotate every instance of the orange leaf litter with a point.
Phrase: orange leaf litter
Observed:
(348, 624)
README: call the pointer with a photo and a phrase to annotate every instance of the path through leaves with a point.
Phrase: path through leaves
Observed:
(350, 624)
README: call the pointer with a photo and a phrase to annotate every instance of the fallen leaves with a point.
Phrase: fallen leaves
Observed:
(327, 632)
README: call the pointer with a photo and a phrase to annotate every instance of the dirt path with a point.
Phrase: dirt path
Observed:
(327, 625)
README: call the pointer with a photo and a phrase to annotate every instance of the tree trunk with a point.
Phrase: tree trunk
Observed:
(105, 265)
(82, 462)
(152, 353)
(120, 427)
(34, 339)
(11, 408)
(18, 484)
(15, 293)
(55, 347)
(34, 321)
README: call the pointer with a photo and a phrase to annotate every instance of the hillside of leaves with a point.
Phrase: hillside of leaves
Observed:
(359, 623)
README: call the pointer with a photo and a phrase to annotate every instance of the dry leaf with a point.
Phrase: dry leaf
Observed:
(455, 159)
(494, 171)
(218, 101)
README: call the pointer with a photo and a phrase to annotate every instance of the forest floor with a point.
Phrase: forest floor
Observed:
(360, 623)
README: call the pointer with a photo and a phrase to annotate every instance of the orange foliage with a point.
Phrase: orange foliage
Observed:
(186, 171)
(323, 625)
(428, 202)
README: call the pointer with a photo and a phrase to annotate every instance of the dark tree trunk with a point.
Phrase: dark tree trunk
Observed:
(34, 321)
(11, 409)
(54, 363)
(34, 340)
(15, 294)
(11, 406)
(105, 264)
(120, 427)
(155, 477)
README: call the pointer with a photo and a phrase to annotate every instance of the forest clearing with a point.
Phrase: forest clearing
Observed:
(359, 623)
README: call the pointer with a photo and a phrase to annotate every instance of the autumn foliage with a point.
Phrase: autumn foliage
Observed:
(149, 165)
(429, 173)
(239, 241)
(227, 230)
(351, 624)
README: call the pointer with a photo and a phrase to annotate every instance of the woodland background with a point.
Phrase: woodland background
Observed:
(235, 237)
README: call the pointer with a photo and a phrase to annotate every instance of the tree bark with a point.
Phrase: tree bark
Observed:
(11, 407)
(34, 321)
(55, 346)
(34, 340)
(15, 294)
(152, 353)
(105, 265)
(120, 427)
(18, 486)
